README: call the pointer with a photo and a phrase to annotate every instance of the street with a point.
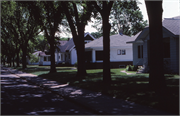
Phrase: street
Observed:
(18, 97)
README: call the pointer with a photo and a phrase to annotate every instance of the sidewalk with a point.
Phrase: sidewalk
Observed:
(94, 101)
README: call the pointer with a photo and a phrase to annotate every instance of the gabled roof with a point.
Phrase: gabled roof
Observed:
(115, 41)
(42, 53)
(138, 34)
(37, 53)
(62, 43)
(172, 24)
(67, 46)
(70, 44)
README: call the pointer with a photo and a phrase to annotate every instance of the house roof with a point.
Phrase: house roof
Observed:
(70, 44)
(67, 46)
(42, 54)
(62, 42)
(37, 53)
(172, 24)
(135, 36)
(115, 41)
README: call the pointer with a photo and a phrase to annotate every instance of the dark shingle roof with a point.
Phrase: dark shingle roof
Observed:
(69, 44)
(172, 24)
(62, 43)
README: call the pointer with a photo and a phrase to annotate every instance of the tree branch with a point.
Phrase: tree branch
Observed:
(97, 7)
(76, 14)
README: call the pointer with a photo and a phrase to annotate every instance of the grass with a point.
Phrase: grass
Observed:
(128, 87)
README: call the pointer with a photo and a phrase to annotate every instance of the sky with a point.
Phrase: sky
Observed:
(171, 8)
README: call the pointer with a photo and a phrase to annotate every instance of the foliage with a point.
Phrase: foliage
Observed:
(19, 27)
(40, 43)
(34, 58)
(131, 68)
(125, 15)
(96, 34)
(76, 65)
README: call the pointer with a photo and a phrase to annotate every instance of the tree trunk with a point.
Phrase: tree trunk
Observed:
(52, 51)
(156, 74)
(13, 62)
(17, 59)
(106, 49)
(17, 56)
(81, 72)
(10, 62)
(24, 50)
(4, 61)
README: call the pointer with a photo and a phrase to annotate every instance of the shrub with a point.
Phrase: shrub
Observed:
(33, 58)
(131, 68)
(76, 64)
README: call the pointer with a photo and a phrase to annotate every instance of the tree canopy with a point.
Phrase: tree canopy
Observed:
(124, 15)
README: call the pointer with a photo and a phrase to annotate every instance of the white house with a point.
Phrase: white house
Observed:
(66, 52)
(171, 31)
(120, 53)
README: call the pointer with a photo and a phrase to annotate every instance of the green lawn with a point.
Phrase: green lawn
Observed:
(128, 87)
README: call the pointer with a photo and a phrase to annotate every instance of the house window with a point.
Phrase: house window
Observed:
(69, 56)
(140, 51)
(45, 59)
(166, 47)
(61, 57)
(121, 52)
(99, 55)
(49, 58)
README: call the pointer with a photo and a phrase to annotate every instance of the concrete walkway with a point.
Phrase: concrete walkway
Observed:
(94, 101)
(127, 73)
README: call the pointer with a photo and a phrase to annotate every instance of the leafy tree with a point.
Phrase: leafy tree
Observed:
(124, 15)
(34, 58)
(104, 9)
(156, 75)
(96, 34)
(48, 15)
(77, 14)
(10, 35)
(23, 27)
(40, 43)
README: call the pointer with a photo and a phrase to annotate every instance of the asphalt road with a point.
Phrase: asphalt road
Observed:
(18, 97)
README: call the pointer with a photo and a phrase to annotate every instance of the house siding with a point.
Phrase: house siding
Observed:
(136, 60)
(73, 57)
(115, 57)
(145, 52)
(174, 54)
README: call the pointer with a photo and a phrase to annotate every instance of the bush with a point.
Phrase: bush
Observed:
(131, 68)
(33, 58)
(76, 64)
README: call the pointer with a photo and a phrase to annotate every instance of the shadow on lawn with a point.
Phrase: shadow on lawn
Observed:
(128, 87)
(136, 89)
